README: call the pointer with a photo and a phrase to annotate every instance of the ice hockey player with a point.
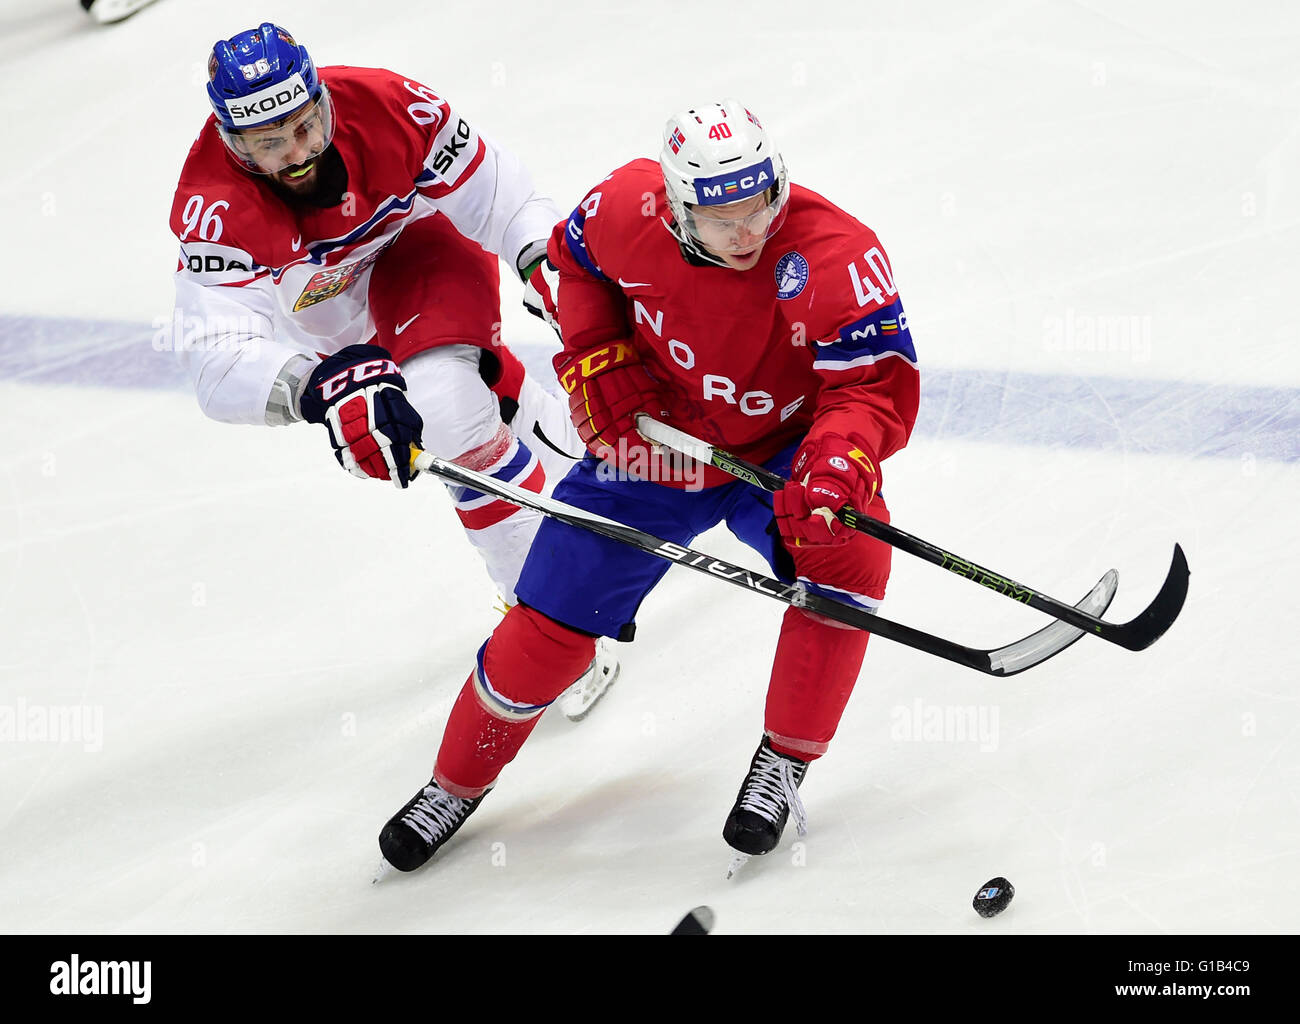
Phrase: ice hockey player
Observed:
(339, 236)
(706, 291)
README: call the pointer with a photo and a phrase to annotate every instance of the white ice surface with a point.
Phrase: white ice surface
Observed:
(273, 645)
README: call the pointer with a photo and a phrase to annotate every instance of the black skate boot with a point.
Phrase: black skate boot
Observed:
(430, 818)
(767, 796)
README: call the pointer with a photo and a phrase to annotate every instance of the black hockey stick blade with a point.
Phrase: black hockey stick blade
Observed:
(698, 922)
(1149, 625)
(1002, 661)
(1137, 634)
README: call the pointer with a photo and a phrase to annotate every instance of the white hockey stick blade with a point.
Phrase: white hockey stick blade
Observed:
(1053, 639)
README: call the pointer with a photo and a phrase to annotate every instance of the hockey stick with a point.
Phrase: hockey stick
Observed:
(1000, 661)
(1137, 634)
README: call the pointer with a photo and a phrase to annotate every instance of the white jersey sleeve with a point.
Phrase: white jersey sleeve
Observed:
(226, 343)
(487, 192)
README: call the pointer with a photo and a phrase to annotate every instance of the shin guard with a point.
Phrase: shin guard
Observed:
(527, 662)
(817, 662)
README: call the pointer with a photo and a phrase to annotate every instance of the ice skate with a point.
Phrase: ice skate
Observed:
(769, 794)
(418, 830)
(588, 688)
(110, 12)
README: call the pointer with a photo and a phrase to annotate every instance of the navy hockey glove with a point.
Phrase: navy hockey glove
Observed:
(360, 396)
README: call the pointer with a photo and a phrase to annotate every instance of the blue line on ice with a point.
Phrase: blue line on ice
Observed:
(1003, 407)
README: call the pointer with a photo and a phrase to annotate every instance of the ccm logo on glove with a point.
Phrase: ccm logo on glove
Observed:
(596, 362)
(607, 387)
(359, 373)
(360, 395)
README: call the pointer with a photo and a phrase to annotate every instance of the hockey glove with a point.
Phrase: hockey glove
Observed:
(607, 387)
(829, 473)
(360, 396)
(541, 287)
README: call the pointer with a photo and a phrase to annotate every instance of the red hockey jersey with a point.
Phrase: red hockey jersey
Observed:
(813, 338)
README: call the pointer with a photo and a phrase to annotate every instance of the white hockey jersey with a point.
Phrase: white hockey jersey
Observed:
(259, 280)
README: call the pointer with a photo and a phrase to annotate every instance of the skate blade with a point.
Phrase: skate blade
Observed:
(738, 861)
(383, 871)
(575, 706)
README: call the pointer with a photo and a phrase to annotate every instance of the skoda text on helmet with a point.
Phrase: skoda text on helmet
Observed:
(272, 110)
(717, 155)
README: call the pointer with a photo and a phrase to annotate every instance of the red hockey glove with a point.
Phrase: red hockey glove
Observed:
(607, 387)
(360, 395)
(829, 472)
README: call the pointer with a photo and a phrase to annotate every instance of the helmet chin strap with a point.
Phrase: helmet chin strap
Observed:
(689, 244)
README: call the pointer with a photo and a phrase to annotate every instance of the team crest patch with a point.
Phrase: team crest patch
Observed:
(325, 284)
(791, 275)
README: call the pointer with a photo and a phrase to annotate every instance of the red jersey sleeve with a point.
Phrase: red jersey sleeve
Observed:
(863, 348)
(592, 308)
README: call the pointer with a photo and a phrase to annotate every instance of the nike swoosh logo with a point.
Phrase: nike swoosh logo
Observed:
(633, 284)
(401, 327)
(297, 243)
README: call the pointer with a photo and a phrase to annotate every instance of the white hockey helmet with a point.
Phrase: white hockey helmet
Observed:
(715, 155)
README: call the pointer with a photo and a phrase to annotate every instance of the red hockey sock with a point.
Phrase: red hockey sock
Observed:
(503, 372)
(813, 674)
(527, 662)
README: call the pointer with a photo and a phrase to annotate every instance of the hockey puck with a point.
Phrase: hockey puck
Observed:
(698, 922)
(993, 897)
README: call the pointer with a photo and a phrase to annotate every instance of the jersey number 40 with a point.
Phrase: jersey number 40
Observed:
(876, 284)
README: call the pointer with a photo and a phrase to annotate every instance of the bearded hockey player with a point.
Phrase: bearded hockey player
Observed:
(339, 237)
(708, 292)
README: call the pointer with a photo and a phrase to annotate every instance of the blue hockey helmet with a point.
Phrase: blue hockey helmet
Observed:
(265, 90)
